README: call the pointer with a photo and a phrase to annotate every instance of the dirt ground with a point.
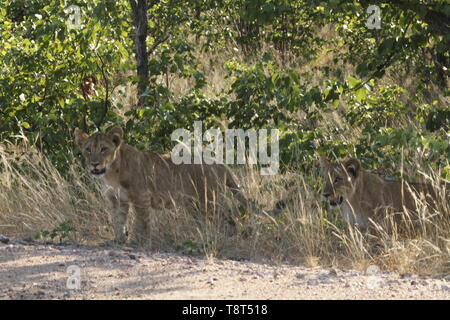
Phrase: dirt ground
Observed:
(45, 271)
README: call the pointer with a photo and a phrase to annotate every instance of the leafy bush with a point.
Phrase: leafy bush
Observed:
(40, 94)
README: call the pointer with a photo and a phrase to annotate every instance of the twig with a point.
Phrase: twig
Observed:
(157, 44)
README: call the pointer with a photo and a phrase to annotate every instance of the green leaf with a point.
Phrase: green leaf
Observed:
(361, 94)
(352, 82)
(26, 125)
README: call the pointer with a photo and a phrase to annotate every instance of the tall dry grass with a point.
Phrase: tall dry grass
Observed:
(34, 196)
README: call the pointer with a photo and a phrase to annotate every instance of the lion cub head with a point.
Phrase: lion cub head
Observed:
(99, 149)
(339, 180)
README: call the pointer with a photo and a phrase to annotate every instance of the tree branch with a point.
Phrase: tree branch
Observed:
(106, 100)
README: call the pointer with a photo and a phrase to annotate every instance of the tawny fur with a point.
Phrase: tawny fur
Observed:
(150, 181)
(363, 196)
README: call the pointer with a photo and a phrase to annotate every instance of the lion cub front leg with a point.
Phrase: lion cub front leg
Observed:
(141, 228)
(119, 215)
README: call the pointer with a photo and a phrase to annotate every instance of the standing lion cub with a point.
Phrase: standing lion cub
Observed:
(362, 195)
(150, 181)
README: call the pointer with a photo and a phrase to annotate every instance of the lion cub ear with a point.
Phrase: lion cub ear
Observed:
(352, 166)
(80, 137)
(116, 135)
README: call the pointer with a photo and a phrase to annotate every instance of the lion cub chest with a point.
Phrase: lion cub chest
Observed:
(353, 215)
(113, 189)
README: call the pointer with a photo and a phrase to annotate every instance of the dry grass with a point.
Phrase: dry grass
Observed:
(35, 197)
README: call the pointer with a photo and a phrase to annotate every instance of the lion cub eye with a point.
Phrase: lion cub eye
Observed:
(88, 150)
(103, 150)
(337, 179)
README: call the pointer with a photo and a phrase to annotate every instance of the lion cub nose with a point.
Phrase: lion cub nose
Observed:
(94, 164)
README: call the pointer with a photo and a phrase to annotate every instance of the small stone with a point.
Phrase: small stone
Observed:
(333, 272)
(133, 257)
(413, 283)
(300, 276)
(424, 282)
(112, 254)
(312, 282)
(324, 276)
(445, 288)
(4, 239)
(242, 279)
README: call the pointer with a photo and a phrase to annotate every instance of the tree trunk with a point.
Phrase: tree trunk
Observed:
(140, 22)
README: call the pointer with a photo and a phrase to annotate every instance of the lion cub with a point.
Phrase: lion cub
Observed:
(150, 181)
(362, 195)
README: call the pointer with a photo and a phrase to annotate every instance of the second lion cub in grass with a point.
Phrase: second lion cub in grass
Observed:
(362, 195)
(149, 181)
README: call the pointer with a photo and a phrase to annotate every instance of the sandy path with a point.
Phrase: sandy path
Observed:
(40, 272)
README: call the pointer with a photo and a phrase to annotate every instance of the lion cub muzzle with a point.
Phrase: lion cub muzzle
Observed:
(333, 201)
(96, 171)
